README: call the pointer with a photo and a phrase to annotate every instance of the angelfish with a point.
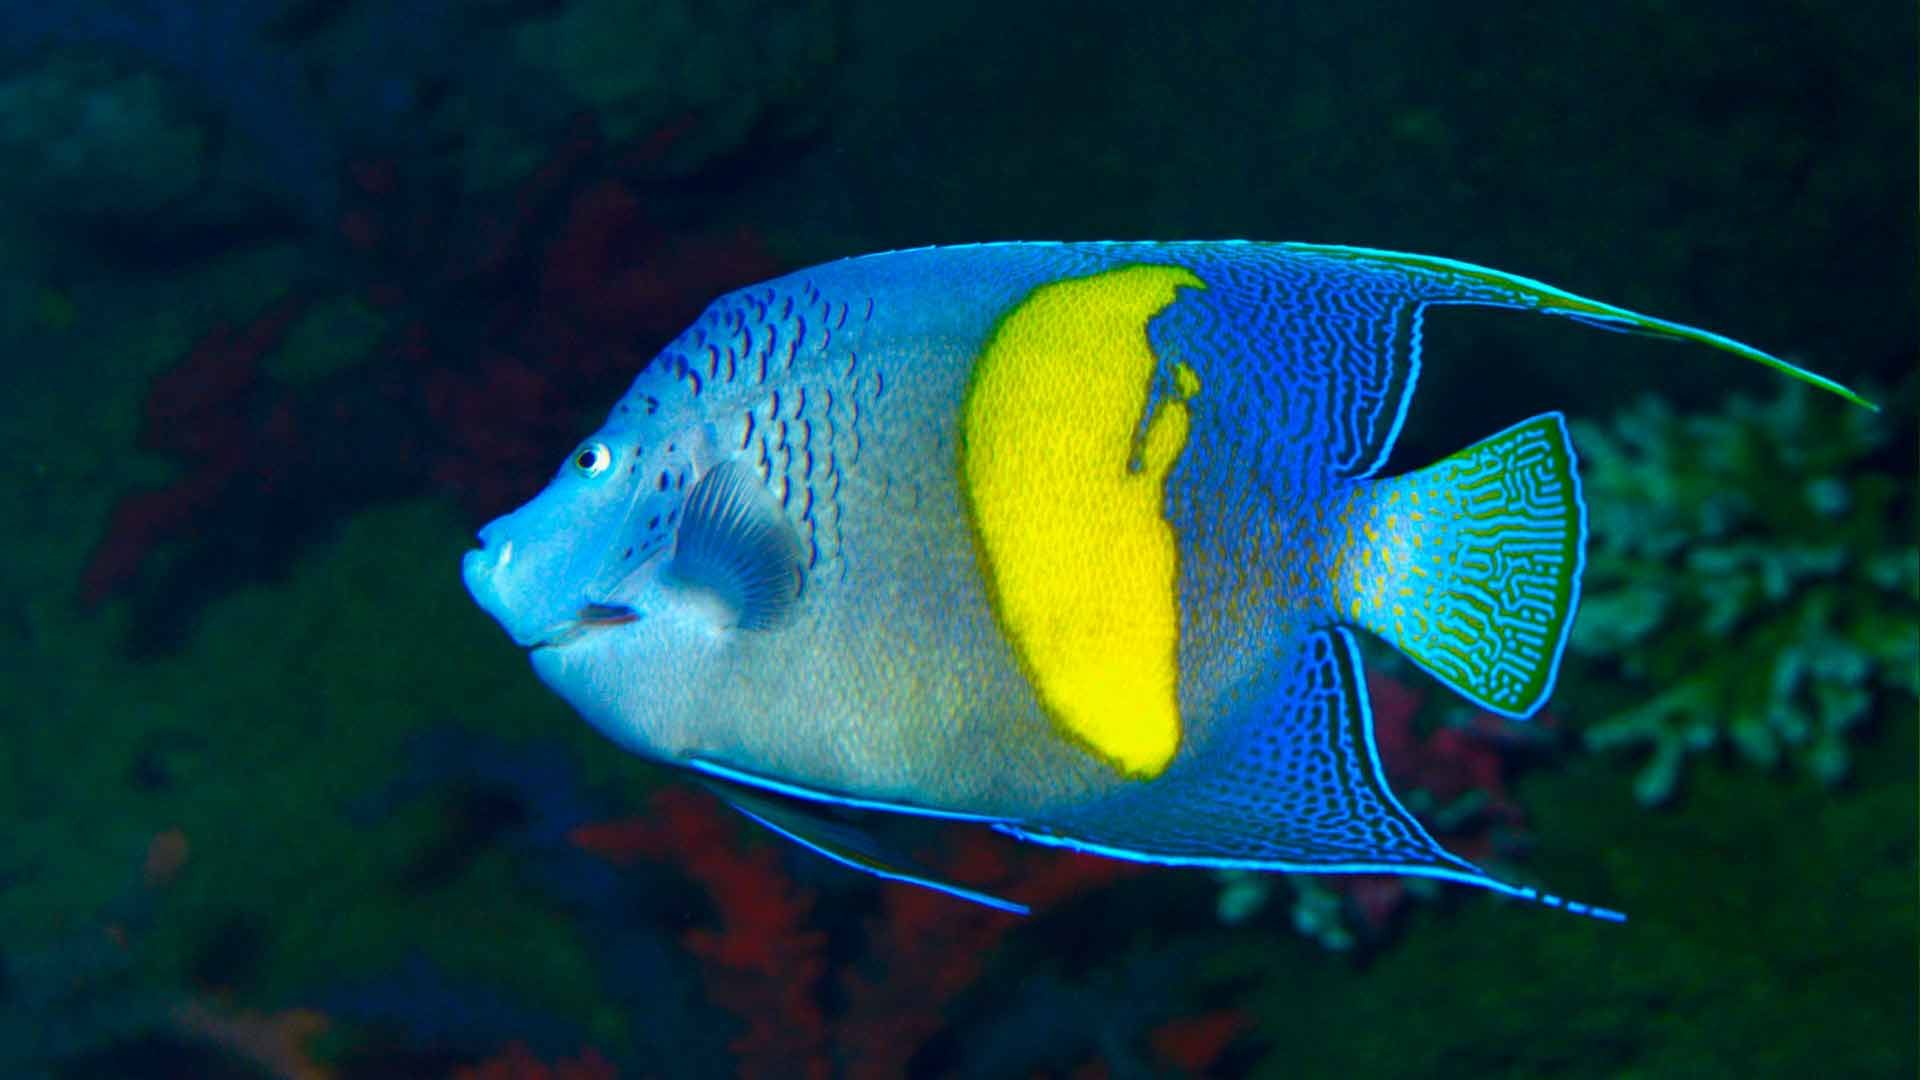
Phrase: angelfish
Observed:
(1069, 539)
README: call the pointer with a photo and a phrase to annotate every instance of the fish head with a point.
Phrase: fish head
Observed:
(585, 554)
(626, 574)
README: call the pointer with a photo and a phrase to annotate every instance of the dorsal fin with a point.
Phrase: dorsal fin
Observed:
(1314, 350)
(1322, 360)
(1434, 280)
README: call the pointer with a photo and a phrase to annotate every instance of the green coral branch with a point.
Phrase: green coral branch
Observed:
(1751, 579)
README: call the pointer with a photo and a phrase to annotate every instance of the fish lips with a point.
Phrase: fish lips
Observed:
(482, 571)
(591, 617)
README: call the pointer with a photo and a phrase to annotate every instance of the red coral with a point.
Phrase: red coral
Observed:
(762, 963)
(765, 964)
(214, 414)
(516, 1062)
(1449, 762)
(546, 307)
(928, 947)
(1193, 1044)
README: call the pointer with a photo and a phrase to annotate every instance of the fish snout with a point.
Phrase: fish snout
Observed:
(486, 571)
(479, 571)
(510, 593)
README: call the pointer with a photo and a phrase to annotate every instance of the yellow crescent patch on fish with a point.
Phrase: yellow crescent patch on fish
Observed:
(1082, 564)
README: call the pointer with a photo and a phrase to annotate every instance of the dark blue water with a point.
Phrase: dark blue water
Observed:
(296, 293)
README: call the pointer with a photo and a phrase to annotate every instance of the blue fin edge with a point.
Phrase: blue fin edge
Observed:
(957, 891)
(1013, 829)
(1521, 892)
(781, 787)
(747, 779)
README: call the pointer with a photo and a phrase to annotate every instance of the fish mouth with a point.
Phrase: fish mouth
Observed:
(590, 617)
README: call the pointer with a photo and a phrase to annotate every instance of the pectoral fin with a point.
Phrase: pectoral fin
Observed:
(736, 542)
(845, 842)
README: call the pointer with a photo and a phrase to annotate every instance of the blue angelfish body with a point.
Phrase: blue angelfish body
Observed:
(1069, 538)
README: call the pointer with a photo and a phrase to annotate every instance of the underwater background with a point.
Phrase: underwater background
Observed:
(296, 293)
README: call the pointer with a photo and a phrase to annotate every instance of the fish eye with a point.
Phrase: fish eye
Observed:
(592, 459)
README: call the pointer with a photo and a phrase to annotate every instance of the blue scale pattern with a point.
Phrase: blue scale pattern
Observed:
(1308, 362)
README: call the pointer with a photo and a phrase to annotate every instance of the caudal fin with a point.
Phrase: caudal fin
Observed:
(1471, 566)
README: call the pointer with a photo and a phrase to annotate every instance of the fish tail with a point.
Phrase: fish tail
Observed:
(1471, 566)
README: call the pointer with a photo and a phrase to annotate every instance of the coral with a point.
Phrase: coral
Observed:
(82, 995)
(531, 802)
(578, 286)
(516, 1062)
(211, 414)
(763, 962)
(1750, 582)
(1193, 1044)
(1140, 1009)
(926, 949)
(765, 959)
(1782, 902)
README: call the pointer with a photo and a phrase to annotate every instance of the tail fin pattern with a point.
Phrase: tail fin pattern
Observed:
(1471, 567)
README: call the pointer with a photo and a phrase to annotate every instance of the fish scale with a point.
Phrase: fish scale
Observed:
(764, 338)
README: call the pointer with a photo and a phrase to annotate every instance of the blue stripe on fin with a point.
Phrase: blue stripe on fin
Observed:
(1521, 892)
(843, 842)
(1294, 784)
(1471, 566)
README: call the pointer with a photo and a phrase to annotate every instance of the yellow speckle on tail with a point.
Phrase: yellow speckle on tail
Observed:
(1082, 565)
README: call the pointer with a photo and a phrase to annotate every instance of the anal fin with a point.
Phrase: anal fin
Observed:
(844, 842)
(1295, 784)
